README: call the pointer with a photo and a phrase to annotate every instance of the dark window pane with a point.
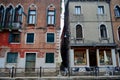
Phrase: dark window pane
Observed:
(50, 37)
(12, 57)
(103, 31)
(8, 16)
(30, 37)
(14, 37)
(79, 31)
(119, 33)
(1, 14)
(117, 11)
(18, 14)
(49, 58)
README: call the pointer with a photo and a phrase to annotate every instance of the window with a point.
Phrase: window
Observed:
(100, 9)
(18, 14)
(119, 33)
(32, 17)
(51, 17)
(12, 57)
(50, 37)
(77, 10)
(80, 57)
(30, 38)
(14, 37)
(105, 57)
(1, 15)
(49, 58)
(9, 16)
(79, 34)
(103, 31)
(117, 11)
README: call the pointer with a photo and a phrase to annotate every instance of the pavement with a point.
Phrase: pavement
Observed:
(64, 78)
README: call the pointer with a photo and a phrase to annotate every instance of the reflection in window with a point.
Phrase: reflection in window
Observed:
(105, 57)
(51, 17)
(103, 31)
(50, 37)
(119, 33)
(77, 10)
(18, 14)
(80, 57)
(8, 16)
(1, 14)
(14, 37)
(101, 55)
(12, 57)
(79, 34)
(49, 58)
(117, 11)
(32, 16)
(30, 38)
(100, 9)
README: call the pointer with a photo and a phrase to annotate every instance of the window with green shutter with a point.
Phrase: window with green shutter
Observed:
(12, 57)
(49, 58)
(50, 37)
(14, 37)
(30, 38)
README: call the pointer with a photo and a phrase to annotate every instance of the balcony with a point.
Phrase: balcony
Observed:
(16, 25)
(12, 26)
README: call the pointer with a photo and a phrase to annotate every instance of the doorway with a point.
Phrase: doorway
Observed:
(30, 62)
(92, 58)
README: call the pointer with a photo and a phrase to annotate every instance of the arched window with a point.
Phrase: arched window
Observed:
(119, 33)
(117, 11)
(1, 15)
(8, 16)
(103, 31)
(79, 34)
(51, 15)
(18, 14)
(32, 15)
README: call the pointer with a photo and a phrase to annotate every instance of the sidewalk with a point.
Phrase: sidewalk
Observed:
(64, 78)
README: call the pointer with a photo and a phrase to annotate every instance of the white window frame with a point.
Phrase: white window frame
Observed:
(101, 10)
(77, 10)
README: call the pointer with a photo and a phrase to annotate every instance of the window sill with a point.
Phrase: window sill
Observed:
(104, 38)
(50, 42)
(29, 43)
(14, 42)
(77, 14)
(79, 38)
(50, 25)
(117, 16)
(31, 24)
(101, 15)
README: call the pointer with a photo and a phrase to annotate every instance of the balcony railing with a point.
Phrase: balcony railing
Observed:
(12, 26)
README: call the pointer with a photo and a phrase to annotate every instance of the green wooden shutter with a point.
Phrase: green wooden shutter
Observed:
(49, 57)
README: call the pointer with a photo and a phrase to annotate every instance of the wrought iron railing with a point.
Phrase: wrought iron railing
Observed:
(54, 72)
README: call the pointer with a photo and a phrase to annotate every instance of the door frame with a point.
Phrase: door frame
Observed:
(35, 57)
(94, 52)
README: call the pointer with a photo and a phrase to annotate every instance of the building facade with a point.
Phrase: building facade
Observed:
(115, 12)
(88, 28)
(29, 33)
